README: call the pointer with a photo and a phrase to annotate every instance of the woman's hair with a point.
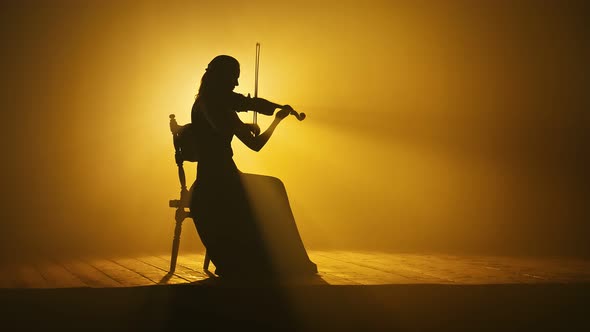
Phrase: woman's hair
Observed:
(221, 69)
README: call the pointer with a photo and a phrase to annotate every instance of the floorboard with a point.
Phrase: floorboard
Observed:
(180, 271)
(153, 273)
(119, 273)
(89, 274)
(28, 276)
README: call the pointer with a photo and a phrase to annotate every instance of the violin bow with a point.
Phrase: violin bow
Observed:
(257, 66)
(299, 116)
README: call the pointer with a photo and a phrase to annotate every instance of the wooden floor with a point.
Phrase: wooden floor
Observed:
(355, 291)
(335, 268)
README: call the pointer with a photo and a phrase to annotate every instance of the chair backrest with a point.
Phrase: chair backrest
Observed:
(184, 150)
(185, 141)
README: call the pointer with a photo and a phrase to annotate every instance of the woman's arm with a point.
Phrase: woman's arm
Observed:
(257, 142)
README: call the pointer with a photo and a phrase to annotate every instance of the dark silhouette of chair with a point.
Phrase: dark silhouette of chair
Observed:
(180, 156)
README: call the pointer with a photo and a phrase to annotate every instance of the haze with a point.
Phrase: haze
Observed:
(438, 126)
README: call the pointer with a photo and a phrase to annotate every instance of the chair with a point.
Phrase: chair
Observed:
(184, 201)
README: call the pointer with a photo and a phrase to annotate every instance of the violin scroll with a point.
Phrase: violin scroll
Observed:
(299, 116)
(288, 108)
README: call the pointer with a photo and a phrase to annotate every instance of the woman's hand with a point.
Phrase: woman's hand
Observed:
(254, 128)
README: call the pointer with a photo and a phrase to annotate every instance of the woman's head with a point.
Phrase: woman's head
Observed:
(221, 75)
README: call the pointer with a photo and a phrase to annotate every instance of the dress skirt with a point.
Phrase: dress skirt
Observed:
(246, 223)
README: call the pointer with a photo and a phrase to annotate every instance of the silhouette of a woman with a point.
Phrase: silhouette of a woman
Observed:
(233, 233)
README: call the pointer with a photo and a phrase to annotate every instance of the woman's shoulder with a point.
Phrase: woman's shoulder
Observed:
(217, 116)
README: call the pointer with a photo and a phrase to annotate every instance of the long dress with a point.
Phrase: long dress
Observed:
(244, 220)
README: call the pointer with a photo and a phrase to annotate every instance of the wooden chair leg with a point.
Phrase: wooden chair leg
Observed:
(175, 245)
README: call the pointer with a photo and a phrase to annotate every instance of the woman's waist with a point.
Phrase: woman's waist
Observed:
(216, 163)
